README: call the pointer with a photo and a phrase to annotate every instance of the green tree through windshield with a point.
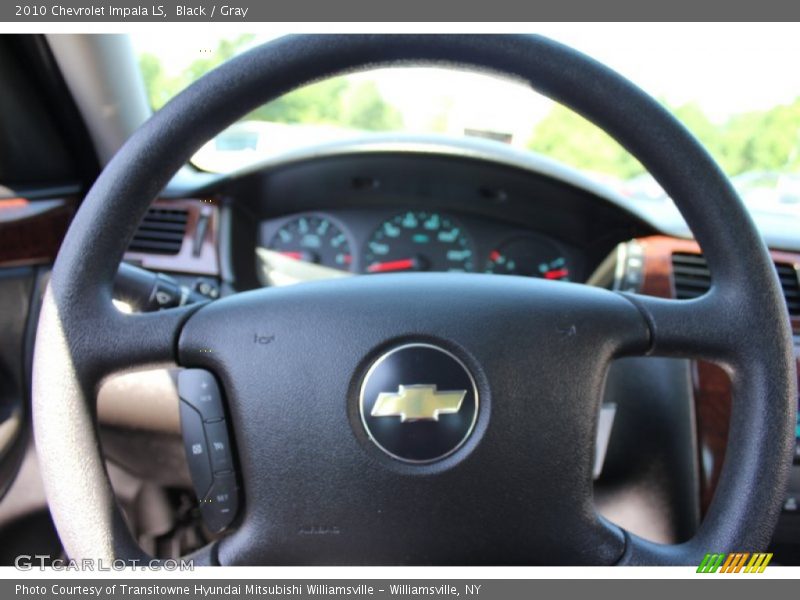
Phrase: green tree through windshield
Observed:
(333, 102)
(757, 141)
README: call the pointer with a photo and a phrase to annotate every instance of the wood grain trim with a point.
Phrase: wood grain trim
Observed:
(207, 261)
(712, 405)
(657, 269)
(29, 236)
(712, 386)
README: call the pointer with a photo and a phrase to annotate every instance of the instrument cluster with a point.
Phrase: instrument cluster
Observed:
(318, 245)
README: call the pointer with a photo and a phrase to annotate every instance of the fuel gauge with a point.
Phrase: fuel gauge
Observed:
(529, 257)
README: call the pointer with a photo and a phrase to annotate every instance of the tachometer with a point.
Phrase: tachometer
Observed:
(529, 256)
(313, 239)
(419, 241)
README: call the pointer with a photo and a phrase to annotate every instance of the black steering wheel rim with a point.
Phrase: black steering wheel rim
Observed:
(70, 359)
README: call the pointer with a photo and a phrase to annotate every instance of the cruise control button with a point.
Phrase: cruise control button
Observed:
(219, 446)
(219, 506)
(199, 388)
(197, 452)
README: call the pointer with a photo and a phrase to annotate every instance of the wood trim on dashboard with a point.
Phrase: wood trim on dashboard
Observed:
(712, 386)
(712, 406)
(657, 269)
(31, 231)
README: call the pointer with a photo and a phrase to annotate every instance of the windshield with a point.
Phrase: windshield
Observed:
(743, 104)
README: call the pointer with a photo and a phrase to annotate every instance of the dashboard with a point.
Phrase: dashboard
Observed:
(391, 207)
(399, 239)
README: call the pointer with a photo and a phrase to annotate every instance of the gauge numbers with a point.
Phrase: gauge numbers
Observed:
(419, 241)
(314, 239)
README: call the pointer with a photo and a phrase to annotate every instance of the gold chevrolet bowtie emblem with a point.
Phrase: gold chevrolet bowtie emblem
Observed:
(418, 403)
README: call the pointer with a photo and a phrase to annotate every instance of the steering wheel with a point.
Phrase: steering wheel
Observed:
(340, 464)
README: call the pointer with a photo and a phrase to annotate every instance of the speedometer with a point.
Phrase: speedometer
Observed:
(419, 241)
(313, 239)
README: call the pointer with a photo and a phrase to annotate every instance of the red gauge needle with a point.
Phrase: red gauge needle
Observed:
(305, 256)
(405, 264)
(556, 274)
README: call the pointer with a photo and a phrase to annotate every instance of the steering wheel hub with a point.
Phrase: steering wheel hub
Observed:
(418, 403)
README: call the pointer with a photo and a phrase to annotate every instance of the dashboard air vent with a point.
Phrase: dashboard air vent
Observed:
(692, 279)
(160, 232)
(690, 274)
(791, 287)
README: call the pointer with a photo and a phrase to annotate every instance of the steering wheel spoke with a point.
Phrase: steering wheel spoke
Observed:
(704, 328)
(142, 339)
